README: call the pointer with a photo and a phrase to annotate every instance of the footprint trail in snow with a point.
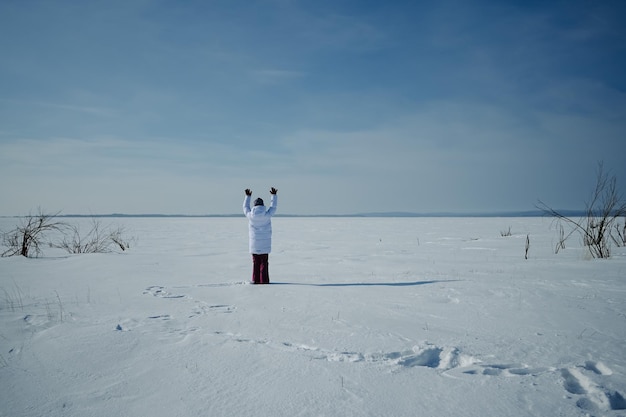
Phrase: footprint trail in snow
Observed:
(583, 383)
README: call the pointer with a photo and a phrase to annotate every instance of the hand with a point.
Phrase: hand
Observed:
(248, 192)
(273, 190)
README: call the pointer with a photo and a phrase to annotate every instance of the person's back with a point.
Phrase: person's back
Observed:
(260, 227)
(260, 234)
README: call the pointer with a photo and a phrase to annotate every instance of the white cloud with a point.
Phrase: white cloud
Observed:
(91, 110)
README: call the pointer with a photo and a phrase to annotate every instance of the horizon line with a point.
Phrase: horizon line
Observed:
(391, 214)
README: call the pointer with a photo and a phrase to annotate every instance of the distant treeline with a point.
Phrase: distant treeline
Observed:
(530, 213)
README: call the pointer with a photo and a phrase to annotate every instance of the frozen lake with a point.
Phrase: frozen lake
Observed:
(365, 317)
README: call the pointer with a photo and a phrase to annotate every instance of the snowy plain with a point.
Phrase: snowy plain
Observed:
(364, 317)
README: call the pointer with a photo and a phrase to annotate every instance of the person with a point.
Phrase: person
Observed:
(260, 234)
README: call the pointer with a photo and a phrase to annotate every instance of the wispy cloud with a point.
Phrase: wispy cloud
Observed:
(486, 104)
(91, 110)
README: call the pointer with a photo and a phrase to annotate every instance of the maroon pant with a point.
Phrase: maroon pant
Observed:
(260, 269)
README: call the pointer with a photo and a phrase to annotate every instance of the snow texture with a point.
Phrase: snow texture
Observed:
(364, 317)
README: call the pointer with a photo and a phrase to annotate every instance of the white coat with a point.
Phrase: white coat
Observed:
(260, 225)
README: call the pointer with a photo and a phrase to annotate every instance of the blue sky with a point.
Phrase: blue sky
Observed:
(142, 106)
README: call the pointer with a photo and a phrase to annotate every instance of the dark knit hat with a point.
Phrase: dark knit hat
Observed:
(258, 202)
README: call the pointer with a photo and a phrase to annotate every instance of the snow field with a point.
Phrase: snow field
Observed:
(365, 317)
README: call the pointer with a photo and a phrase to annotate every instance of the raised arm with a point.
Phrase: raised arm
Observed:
(274, 201)
(246, 201)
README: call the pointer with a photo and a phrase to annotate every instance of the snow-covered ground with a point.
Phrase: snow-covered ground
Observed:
(364, 317)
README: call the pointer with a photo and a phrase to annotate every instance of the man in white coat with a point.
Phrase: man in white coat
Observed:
(260, 234)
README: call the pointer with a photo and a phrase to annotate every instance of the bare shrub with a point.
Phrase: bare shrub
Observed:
(118, 237)
(28, 238)
(32, 235)
(506, 233)
(562, 238)
(602, 213)
(619, 237)
(527, 247)
(98, 239)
